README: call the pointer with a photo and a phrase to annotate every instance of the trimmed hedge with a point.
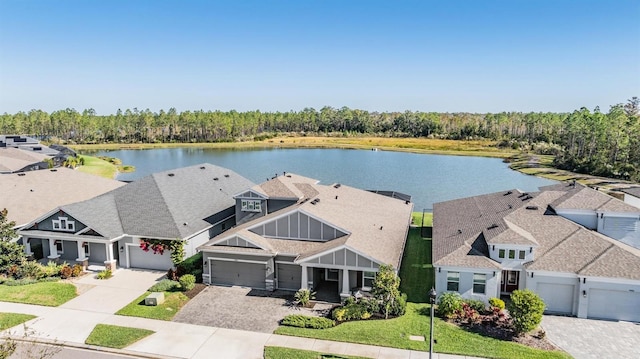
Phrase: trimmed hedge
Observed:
(165, 285)
(303, 321)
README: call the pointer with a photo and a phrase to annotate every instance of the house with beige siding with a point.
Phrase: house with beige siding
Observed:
(568, 243)
(294, 233)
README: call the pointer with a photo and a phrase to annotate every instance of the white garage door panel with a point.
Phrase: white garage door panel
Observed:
(617, 305)
(558, 298)
(141, 259)
(238, 273)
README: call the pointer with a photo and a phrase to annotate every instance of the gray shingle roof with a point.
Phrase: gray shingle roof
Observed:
(170, 204)
(634, 191)
(585, 198)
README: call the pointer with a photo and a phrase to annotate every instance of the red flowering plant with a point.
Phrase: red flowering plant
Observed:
(158, 246)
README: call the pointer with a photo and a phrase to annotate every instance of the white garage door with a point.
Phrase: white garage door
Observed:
(558, 298)
(147, 260)
(617, 305)
(238, 273)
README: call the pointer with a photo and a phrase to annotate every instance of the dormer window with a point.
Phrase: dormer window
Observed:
(521, 255)
(64, 224)
(249, 205)
(501, 253)
(512, 254)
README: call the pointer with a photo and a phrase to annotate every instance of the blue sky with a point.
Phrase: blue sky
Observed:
(445, 56)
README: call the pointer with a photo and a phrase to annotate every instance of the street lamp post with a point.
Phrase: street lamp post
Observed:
(432, 300)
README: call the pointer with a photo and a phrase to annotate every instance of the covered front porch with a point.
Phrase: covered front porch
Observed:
(92, 254)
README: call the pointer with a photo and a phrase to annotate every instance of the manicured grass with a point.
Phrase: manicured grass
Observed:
(289, 353)
(113, 336)
(8, 320)
(416, 219)
(395, 333)
(417, 145)
(416, 271)
(50, 294)
(165, 311)
(99, 167)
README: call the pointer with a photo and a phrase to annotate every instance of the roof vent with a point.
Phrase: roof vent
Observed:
(315, 201)
(202, 167)
(54, 170)
(289, 176)
(407, 202)
(185, 223)
(508, 193)
(226, 176)
(337, 185)
(336, 197)
(31, 190)
(533, 208)
(527, 197)
(459, 231)
(215, 178)
(523, 195)
(24, 174)
(492, 226)
(510, 206)
(170, 174)
(381, 227)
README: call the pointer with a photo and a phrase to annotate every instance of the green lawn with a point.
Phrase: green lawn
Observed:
(99, 167)
(113, 336)
(8, 320)
(165, 311)
(416, 219)
(395, 333)
(289, 353)
(51, 294)
(416, 272)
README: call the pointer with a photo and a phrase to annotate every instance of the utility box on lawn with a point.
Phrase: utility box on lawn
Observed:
(155, 298)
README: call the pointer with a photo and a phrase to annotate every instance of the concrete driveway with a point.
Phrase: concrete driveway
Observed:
(240, 308)
(589, 338)
(110, 295)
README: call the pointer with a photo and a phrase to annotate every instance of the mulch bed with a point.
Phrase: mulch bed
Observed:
(199, 287)
(535, 339)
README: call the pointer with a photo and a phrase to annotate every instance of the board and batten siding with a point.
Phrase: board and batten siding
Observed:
(298, 226)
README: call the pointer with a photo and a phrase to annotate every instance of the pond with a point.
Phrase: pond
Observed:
(427, 178)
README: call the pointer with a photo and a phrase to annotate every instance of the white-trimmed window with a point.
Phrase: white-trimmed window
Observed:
(479, 283)
(64, 224)
(85, 245)
(500, 253)
(59, 247)
(453, 281)
(331, 275)
(521, 254)
(367, 279)
(512, 254)
(250, 205)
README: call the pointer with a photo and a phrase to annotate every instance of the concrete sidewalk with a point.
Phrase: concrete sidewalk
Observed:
(178, 340)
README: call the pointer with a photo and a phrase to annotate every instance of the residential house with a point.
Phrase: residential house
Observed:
(14, 160)
(295, 233)
(555, 242)
(191, 204)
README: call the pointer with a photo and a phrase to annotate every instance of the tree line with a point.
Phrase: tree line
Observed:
(586, 141)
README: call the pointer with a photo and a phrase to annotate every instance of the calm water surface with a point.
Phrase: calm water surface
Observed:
(428, 178)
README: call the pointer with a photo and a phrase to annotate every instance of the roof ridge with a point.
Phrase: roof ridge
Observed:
(592, 261)
(164, 202)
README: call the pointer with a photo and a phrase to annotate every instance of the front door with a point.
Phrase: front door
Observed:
(510, 281)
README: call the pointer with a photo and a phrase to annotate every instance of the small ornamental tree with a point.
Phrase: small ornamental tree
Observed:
(11, 253)
(526, 309)
(386, 288)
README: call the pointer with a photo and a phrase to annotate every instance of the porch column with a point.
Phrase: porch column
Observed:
(110, 263)
(53, 252)
(304, 279)
(346, 289)
(81, 256)
(27, 246)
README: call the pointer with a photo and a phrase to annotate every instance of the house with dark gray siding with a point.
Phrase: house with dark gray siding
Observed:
(191, 204)
(568, 243)
(293, 233)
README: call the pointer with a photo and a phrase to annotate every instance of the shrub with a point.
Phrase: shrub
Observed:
(372, 305)
(476, 305)
(105, 274)
(386, 288)
(526, 309)
(187, 282)
(449, 303)
(172, 274)
(30, 269)
(23, 281)
(76, 270)
(51, 269)
(303, 321)
(353, 311)
(65, 271)
(190, 265)
(303, 296)
(165, 285)
(399, 306)
(496, 303)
